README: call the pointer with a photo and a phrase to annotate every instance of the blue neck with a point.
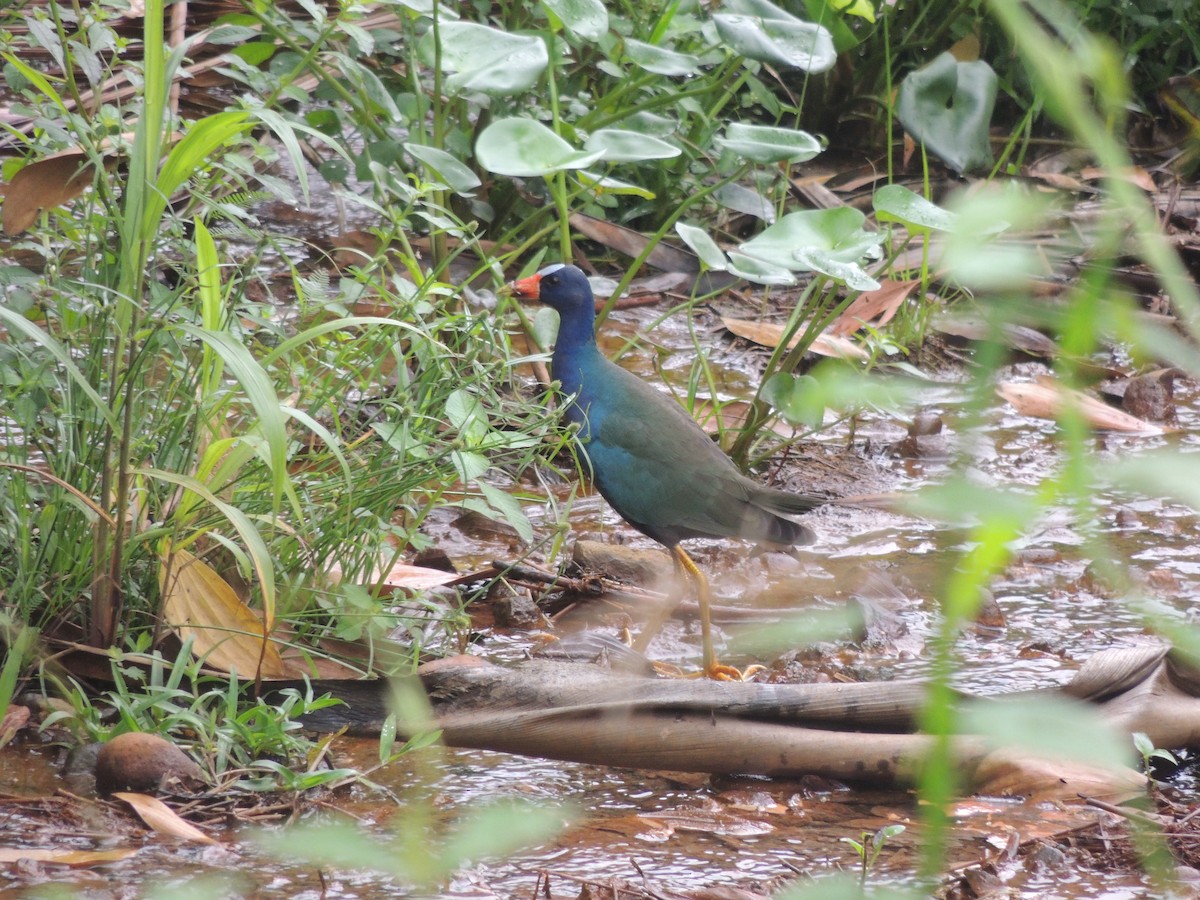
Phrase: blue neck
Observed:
(575, 344)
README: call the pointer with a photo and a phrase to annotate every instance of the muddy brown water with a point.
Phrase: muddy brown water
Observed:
(664, 832)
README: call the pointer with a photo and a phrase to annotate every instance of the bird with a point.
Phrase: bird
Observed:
(648, 458)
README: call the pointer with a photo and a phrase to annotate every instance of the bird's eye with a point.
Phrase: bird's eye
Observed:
(551, 279)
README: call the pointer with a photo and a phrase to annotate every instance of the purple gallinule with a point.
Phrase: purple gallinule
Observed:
(648, 458)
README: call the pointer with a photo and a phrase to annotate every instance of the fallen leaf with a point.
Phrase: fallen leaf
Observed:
(399, 576)
(200, 605)
(45, 184)
(162, 818)
(1018, 337)
(1045, 400)
(73, 858)
(15, 718)
(876, 307)
(1135, 175)
(709, 822)
(770, 334)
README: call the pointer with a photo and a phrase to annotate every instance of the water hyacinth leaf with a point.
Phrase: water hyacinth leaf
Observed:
(744, 200)
(658, 60)
(605, 184)
(620, 146)
(759, 30)
(523, 148)
(817, 240)
(896, 203)
(587, 19)
(457, 176)
(486, 59)
(702, 245)
(757, 270)
(827, 263)
(765, 144)
(947, 105)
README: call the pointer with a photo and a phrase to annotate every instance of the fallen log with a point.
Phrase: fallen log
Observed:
(860, 732)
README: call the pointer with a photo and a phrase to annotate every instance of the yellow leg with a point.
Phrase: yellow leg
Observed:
(712, 668)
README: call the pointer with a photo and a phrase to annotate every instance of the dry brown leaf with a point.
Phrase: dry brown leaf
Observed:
(44, 184)
(162, 818)
(200, 605)
(73, 858)
(1045, 400)
(1135, 175)
(400, 576)
(15, 718)
(876, 307)
(966, 49)
(770, 334)
(663, 257)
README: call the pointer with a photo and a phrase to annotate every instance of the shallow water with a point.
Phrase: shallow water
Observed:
(684, 833)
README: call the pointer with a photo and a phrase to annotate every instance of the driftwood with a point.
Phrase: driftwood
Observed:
(862, 732)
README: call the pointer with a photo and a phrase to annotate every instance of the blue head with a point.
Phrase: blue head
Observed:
(564, 289)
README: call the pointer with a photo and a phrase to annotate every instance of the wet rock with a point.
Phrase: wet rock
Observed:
(990, 614)
(434, 558)
(626, 564)
(778, 564)
(478, 526)
(514, 607)
(1163, 581)
(1047, 857)
(1151, 396)
(1127, 518)
(873, 625)
(142, 762)
(925, 423)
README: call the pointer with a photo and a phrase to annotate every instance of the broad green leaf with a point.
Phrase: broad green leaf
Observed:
(823, 240)
(659, 61)
(587, 19)
(861, 8)
(765, 144)
(947, 105)
(827, 262)
(702, 245)
(506, 509)
(1048, 727)
(460, 179)
(605, 184)
(500, 828)
(896, 203)
(523, 148)
(757, 270)
(760, 30)
(978, 254)
(796, 399)
(620, 146)
(486, 59)
(466, 414)
(744, 200)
